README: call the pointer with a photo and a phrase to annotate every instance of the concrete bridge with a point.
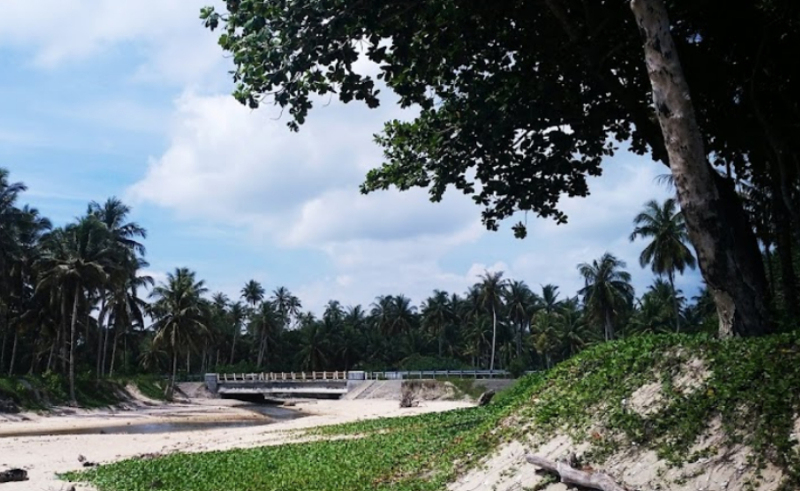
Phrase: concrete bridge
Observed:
(304, 384)
(321, 384)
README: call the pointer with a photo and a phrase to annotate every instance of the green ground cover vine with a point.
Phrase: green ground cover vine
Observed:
(751, 388)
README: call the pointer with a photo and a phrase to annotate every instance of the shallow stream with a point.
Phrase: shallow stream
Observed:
(272, 414)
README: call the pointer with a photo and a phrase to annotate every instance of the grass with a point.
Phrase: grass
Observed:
(37, 393)
(752, 389)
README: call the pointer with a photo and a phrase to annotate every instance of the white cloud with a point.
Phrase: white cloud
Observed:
(167, 34)
(226, 164)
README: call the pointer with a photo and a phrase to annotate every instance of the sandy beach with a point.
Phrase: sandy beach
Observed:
(45, 455)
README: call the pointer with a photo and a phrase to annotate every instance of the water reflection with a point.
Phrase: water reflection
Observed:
(272, 413)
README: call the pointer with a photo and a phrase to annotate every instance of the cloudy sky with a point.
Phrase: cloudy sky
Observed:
(131, 99)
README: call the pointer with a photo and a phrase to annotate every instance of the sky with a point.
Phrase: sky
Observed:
(106, 98)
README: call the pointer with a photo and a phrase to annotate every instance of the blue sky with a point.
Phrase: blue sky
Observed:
(131, 99)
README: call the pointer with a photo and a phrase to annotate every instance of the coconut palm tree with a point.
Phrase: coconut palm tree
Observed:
(492, 288)
(667, 252)
(574, 332)
(179, 317)
(437, 313)
(607, 291)
(114, 214)
(288, 305)
(267, 321)
(237, 315)
(76, 258)
(521, 303)
(124, 307)
(9, 218)
(403, 315)
(253, 293)
(550, 302)
(31, 228)
(381, 313)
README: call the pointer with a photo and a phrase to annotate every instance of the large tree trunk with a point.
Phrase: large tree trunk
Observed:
(729, 259)
(609, 327)
(73, 334)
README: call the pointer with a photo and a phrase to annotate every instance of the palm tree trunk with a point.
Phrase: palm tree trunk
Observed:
(441, 340)
(671, 277)
(101, 318)
(188, 360)
(609, 328)
(494, 337)
(62, 348)
(114, 342)
(50, 357)
(233, 345)
(13, 354)
(3, 345)
(171, 386)
(106, 333)
(73, 335)
(770, 269)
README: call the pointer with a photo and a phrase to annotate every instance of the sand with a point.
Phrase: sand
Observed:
(44, 456)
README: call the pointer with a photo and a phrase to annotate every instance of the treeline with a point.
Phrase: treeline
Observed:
(74, 301)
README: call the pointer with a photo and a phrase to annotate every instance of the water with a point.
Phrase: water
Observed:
(273, 413)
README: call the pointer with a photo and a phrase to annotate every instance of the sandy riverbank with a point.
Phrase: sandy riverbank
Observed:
(44, 456)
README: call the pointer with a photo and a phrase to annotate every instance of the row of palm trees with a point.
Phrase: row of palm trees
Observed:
(72, 301)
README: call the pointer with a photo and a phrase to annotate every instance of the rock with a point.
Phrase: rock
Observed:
(13, 475)
(8, 406)
(485, 398)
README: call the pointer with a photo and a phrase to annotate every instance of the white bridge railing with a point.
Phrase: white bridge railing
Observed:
(280, 376)
(356, 375)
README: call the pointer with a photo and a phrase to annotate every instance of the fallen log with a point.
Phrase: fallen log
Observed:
(485, 398)
(570, 475)
(13, 475)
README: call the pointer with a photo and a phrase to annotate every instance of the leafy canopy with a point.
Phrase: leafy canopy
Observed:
(518, 101)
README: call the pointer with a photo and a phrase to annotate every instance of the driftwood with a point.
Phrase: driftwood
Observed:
(570, 475)
(13, 475)
(485, 398)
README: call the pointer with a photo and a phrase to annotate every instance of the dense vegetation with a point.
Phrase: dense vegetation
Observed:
(75, 302)
(425, 452)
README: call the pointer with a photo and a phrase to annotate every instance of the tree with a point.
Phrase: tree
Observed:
(607, 292)
(574, 332)
(436, 314)
(179, 317)
(237, 315)
(253, 293)
(713, 228)
(667, 252)
(76, 258)
(288, 305)
(9, 218)
(518, 102)
(492, 288)
(521, 303)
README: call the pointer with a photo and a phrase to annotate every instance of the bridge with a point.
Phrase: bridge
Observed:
(321, 384)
